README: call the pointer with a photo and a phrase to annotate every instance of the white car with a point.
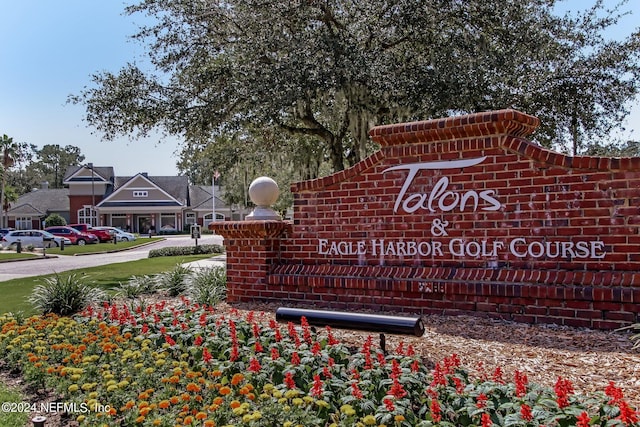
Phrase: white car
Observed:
(35, 238)
(121, 236)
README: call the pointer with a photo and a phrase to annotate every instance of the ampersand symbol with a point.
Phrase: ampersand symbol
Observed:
(438, 228)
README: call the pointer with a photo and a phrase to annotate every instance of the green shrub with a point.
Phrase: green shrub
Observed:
(54, 220)
(64, 296)
(175, 281)
(138, 285)
(208, 285)
(186, 250)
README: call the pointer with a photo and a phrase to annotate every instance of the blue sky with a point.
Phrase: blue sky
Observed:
(49, 49)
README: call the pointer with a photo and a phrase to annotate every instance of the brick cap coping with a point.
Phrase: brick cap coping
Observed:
(511, 124)
(501, 122)
(465, 275)
(251, 229)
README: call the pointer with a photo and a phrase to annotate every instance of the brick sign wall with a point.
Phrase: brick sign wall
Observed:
(456, 216)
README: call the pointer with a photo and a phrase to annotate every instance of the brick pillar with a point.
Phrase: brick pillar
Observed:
(252, 247)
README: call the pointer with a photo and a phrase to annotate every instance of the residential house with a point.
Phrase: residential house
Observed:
(139, 203)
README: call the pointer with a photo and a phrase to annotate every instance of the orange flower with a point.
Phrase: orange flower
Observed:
(201, 416)
(193, 387)
(237, 379)
(224, 390)
(218, 401)
(209, 423)
(145, 411)
(174, 400)
(234, 404)
(164, 404)
(188, 420)
(140, 419)
(130, 404)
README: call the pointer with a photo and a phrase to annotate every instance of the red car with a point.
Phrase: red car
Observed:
(102, 235)
(76, 237)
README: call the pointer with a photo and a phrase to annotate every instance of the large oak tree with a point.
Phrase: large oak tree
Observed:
(331, 69)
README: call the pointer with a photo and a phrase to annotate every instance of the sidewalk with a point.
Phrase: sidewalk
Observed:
(217, 261)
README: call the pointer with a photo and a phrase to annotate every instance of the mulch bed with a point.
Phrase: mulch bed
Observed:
(588, 358)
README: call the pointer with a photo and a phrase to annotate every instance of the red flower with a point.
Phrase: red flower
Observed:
(275, 354)
(486, 420)
(481, 401)
(521, 384)
(355, 390)
(317, 389)
(583, 420)
(258, 347)
(206, 356)
(293, 334)
(234, 353)
(525, 412)
(254, 365)
(289, 381)
(436, 413)
(627, 414)
(330, 339)
(306, 330)
(198, 340)
(563, 389)
(497, 376)
(397, 390)
(169, 340)
(295, 359)
(459, 385)
(388, 403)
(614, 393)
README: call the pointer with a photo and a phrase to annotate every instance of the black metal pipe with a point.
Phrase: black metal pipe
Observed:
(370, 322)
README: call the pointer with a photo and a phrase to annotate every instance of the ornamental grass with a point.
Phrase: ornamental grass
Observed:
(187, 365)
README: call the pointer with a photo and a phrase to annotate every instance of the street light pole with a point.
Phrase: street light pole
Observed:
(93, 196)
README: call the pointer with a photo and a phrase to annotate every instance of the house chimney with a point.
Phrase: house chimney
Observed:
(145, 174)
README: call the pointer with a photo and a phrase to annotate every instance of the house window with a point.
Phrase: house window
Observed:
(168, 221)
(140, 193)
(119, 221)
(87, 216)
(190, 218)
(23, 223)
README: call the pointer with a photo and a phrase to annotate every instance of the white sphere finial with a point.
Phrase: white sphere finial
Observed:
(263, 192)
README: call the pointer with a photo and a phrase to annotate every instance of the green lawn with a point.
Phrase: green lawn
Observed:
(14, 416)
(6, 256)
(100, 247)
(15, 292)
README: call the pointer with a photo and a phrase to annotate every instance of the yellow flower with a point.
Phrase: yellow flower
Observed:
(73, 387)
(347, 410)
(369, 420)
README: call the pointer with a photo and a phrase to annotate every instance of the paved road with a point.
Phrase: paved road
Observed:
(14, 270)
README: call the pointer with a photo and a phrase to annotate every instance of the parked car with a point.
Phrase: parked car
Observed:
(4, 231)
(76, 237)
(102, 235)
(120, 236)
(35, 238)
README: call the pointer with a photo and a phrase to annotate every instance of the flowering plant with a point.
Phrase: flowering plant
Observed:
(163, 365)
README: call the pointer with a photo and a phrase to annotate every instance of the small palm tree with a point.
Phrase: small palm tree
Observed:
(9, 151)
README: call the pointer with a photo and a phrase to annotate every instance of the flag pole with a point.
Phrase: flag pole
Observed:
(216, 174)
